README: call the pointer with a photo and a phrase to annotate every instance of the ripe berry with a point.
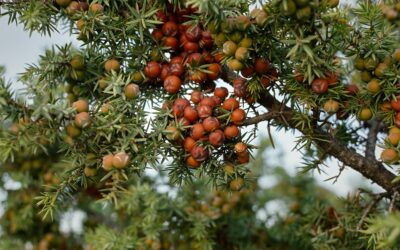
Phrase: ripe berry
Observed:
(332, 78)
(197, 131)
(238, 116)
(262, 65)
(191, 47)
(319, 85)
(396, 104)
(216, 100)
(183, 102)
(207, 101)
(177, 110)
(352, 89)
(157, 35)
(194, 59)
(172, 84)
(196, 96)
(131, 91)
(171, 43)
(176, 69)
(165, 72)
(221, 92)
(176, 59)
(266, 81)
(216, 138)
(231, 132)
(183, 122)
(244, 158)
(190, 114)
(240, 90)
(193, 34)
(82, 120)
(108, 162)
(189, 143)
(198, 76)
(210, 124)
(204, 111)
(240, 148)
(120, 160)
(81, 106)
(389, 156)
(152, 69)
(247, 71)
(199, 153)
(215, 70)
(170, 28)
(112, 65)
(230, 104)
(191, 162)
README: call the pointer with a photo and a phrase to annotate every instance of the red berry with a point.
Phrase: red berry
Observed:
(176, 69)
(171, 43)
(319, 85)
(231, 132)
(172, 84)
(189, 143)
(191, 47)
(238, 116)
(215, 70)
(190, 114)
(204, 111)
(395, 104)
(170, 28)
(221, 92)
(193, 34)
(152, 69)
(230, 104)
(208, 101)
(197, 131)
(196, 96)
(199, 153)
(216, 138)
(210, 124)
(262, 65)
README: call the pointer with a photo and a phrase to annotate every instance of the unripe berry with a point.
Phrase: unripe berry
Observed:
(82, 120)
(120, 160)
(108, 162)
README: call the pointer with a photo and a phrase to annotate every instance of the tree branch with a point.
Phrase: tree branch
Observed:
(260, 118)
(371, 169)
(372, 138)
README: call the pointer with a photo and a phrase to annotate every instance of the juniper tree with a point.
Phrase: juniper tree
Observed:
(181, 87)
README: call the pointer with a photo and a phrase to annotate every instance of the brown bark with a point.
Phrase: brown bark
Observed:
(368, 167)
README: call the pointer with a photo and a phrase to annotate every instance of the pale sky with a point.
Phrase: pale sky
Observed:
(17, 49)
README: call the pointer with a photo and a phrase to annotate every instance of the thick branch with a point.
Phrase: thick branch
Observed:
(371, 169)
